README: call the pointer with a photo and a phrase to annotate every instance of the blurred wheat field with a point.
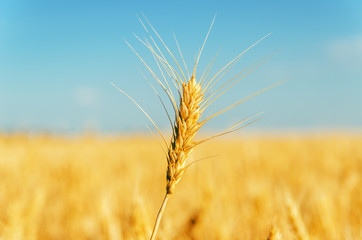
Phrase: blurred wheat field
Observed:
(110, 188)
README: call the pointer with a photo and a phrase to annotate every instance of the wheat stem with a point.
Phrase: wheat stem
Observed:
(159, 216)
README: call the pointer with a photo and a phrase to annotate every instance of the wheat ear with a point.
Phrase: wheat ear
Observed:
(296, 220)
(194, 96)
(185, 128)
(187, 124)
(274, 234)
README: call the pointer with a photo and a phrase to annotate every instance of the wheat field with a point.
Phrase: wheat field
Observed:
(251, 187)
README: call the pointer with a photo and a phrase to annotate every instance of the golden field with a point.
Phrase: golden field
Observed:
(95, 187)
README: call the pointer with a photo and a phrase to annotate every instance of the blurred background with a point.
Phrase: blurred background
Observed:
(57, 59)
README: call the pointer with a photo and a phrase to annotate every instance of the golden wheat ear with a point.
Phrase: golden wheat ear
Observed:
(295, 219)
(189, 97)
(274, 234)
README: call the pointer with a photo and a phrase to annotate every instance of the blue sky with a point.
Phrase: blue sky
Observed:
(57, 59)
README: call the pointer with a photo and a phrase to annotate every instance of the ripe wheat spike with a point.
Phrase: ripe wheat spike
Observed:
(296, 220)
(194, 96)
(274, 234)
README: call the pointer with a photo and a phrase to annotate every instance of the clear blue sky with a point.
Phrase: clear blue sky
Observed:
(57, 59)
